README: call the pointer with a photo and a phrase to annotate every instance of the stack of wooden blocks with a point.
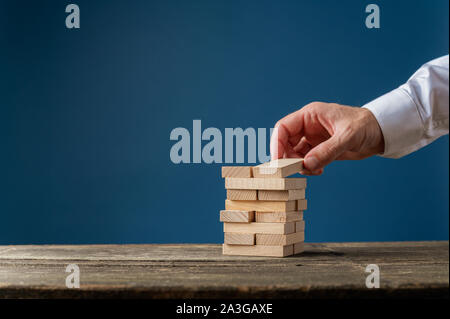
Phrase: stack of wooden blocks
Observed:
(263, 213)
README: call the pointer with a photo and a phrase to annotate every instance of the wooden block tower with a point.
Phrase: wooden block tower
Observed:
(263, 213)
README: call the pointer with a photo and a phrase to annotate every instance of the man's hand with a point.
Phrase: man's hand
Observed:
(324, 132)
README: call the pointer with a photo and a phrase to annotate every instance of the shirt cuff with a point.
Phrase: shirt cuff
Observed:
(400, 122)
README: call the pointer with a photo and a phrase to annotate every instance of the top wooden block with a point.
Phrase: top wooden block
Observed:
(279, 168)
(237, 171)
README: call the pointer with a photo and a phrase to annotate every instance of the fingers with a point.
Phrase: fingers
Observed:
(286, 132)
(278, 141)
(322, 133)
(303, 147)
(294, 140)
(324, 153)
(289, 152)
(311, 173)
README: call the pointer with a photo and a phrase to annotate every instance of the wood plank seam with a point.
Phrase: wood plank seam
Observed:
(260, 228)
(281, 195)
(237, 171)
(302, 204)
(299, 248)
(237, 216)
(278, 239)
(239, 239)
(258, 250)
(278, 217)
(265, 183)
(261, 206)
(300, 226)
(242, 194)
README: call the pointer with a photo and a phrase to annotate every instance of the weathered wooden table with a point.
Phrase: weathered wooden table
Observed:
(201, 271)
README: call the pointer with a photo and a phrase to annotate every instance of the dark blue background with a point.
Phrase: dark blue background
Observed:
(86, 114)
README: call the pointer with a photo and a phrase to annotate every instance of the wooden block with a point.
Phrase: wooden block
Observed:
(278, 217)
(237, 171)
(265, 183)
(302, 204)
(278, 168)
(261, 206)
(260, 228)
(258, 250)
(279, 240)
(242, 194)
(300, 226)
(236, 216)
(291, 194)
(299, 248)
(239, 239)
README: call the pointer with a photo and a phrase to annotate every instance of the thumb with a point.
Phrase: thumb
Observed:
(324, 153)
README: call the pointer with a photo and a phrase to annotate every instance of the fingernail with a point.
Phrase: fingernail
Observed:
(311, 163)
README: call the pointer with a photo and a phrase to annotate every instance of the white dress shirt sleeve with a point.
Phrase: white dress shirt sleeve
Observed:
(416, 113)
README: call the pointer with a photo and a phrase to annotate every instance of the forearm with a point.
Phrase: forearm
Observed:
(416, 113)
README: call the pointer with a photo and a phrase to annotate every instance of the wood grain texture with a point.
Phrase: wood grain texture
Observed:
(237, 216)
(285, 195)
(278, 168)
(242, 194)
(300, 226)
(239, 239)
(261, 206)
(323, 270)
(278, 217)
(299, 248)
(265, 183)
(237, 171)
(259, 228)
(265, 251)
(302, 204)
(279, 240)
